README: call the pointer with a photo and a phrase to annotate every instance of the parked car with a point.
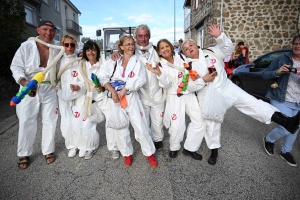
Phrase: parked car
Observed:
(249, 76)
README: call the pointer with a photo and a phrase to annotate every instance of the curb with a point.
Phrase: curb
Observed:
(8, 123)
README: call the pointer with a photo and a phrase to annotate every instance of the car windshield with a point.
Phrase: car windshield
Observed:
(266, 60)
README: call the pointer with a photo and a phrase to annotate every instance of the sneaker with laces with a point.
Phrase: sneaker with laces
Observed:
(89, 154)
(127, 161)
(152, 161)
(288, 158)
(115, 154)
(72, 152)
(269, 147)
(82, 153)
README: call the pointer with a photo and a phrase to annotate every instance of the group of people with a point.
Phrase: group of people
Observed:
(131, 88)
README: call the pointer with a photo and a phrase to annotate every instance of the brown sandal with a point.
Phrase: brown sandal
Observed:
(49, 157)
(23, 161)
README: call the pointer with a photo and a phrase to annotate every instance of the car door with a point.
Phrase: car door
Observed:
(253, 81)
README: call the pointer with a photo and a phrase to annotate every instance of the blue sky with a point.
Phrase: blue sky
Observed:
(157, 14)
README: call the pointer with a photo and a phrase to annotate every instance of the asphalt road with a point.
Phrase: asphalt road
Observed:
(243, 169)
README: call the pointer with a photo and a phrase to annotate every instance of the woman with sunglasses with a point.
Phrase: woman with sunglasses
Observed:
(172, 77)
(128, 69)
(71, 88)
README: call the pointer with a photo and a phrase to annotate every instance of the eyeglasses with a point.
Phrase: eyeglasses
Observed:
(69, 44)
(128, 44)
(143, 36)
(296, 44)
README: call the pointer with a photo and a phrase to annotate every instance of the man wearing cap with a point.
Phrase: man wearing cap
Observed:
(32, 57)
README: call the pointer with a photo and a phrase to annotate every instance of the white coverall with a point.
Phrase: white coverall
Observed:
(67, 98)
(240, 99)
(177, 107)
(135, 77)
(25, 64)
(153, 112)
(84, 125)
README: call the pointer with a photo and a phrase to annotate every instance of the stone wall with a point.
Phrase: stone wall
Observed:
(264, 25)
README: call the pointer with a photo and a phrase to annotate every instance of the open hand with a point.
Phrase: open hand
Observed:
(214, 30)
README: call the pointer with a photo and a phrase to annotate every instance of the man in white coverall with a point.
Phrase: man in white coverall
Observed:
(240, 99)
(153, 112)
(32, 57)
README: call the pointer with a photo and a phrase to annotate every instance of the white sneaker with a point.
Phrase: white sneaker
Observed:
(89, 154)
(81, 153)
(115, 154)
(72, 152)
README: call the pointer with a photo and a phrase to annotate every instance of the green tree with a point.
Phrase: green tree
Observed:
(12, 23)
(84, 39)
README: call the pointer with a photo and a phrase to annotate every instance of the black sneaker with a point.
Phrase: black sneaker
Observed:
(269, 147)
(158, 145)
(288, 158)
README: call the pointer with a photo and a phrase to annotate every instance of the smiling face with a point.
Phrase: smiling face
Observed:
(142, 37)
(91, 54)
(296, 47)
(46, 33)
(190, 49)
(127, 46)
(165, 49)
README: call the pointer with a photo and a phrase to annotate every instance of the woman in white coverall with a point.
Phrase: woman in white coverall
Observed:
(32, 57)
(131, 70)
(178, 103)
(234, 95)
(84, 124)
(71, 88)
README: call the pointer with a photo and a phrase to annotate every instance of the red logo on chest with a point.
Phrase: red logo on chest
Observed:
(162, 114)
(77, 114)
(180, 74)
(131, 74)
(56, 111)
(74, 73)
(174, 117)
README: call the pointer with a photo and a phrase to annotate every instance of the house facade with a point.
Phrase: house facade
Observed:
(263, 25)
(62, 13)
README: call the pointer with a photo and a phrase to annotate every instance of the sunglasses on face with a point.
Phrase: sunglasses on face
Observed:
(69, 44)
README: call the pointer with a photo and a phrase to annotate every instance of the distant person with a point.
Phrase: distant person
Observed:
(179, 45)
(243, 56)
(284, 95)
(32, 57)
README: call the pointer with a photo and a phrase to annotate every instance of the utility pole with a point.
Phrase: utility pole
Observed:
(174, 24)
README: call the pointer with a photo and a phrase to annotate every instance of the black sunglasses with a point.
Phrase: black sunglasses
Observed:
(71, 44)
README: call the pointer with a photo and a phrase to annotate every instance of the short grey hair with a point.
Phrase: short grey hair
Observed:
(142, 26)
(185, 41)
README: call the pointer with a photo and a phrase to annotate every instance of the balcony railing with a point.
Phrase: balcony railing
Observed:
(187, 22)
(73, 27)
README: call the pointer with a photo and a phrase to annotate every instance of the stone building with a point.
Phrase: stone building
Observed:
(264, 25)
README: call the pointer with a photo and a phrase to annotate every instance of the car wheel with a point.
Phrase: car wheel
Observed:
(238, 82)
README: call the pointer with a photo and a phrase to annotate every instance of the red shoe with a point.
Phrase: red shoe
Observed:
(152, 161)
(128, 161)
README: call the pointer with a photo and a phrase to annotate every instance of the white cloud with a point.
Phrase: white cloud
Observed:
(143, 18)
(108, 19)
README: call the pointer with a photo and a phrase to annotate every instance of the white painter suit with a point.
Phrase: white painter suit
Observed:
(153, 112)
(25, 64)
(235, 96)
(178, 107)
(67, 99)
(84, 124)
(135, 77)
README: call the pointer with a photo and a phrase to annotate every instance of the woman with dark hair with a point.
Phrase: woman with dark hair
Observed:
(91, 114)
(173, 77)
(130, 72)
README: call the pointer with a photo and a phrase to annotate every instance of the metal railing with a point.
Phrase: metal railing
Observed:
(73, 26)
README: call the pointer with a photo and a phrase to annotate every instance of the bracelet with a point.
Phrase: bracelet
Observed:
(204, 80)
(277, 74)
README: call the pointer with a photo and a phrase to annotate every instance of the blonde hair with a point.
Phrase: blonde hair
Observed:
(68, 36)
(121, 42)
